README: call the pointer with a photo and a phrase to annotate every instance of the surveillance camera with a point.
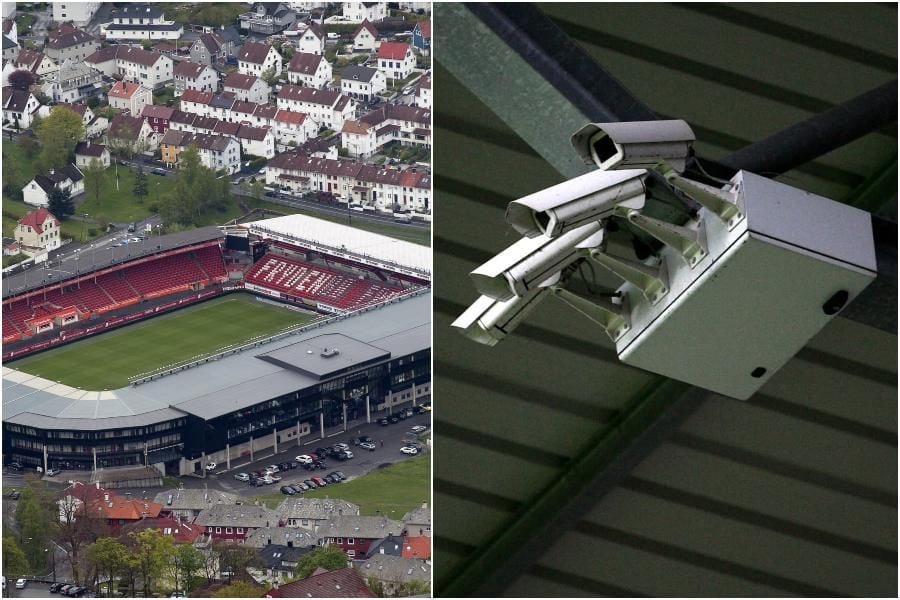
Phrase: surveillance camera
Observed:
(488, 320)
(571, 204)
(528, 263)
(634, 144)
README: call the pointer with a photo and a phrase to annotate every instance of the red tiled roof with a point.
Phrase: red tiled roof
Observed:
(257, 134)
(188, 70)
(342, 583)
(29, 59)
(158, 112)
(354, 127)
(119, 507)
(305, 63)
(179, 531)
(226, 128)
(290, 116)
(196, 96)
(308, 94)
(425, 28)
(416, 547)
(89, 149)
(267, 111)
(247, 108)
(240, 81)
(67, 36)
(253, 52)
(123, 89)
(393, 50)
(37, 218)
(366, 24)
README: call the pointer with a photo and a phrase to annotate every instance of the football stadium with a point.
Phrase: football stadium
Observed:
(212, 345)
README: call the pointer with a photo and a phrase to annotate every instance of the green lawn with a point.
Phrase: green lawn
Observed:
(119, 205)
(392, 491)
(107, 361)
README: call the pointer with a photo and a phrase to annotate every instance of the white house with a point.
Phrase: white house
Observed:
(247, 88)
(151, 69)
(311, 70)
(38, 229)
(131, 133)
(129, 97)
(359, 139)
(396, 60)
(192, 76)
(408, 125)
(10, 29)
(79, 13)
(365, 37)
(293, 129)
(73, 82)
(356, 12)
(255, 58)
(258, 141)
(362, 83)
(327, 107)
(423, 92)
(138, 22)
(36, 192)
(215, 151)
(19, 108)
(69, 43)
(93, 125)
(311, 40)
(37, 62)
(87, 152)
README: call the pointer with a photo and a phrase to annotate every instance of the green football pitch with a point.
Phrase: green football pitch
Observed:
(106, 361)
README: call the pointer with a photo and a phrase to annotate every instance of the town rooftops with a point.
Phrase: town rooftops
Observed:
(342, 583)
(125, 127)
(317, 509)
(223, 100)
(67, 36)
(156, 111)
(354, 526)
(126, 53)
(305, 63)
(29, 59)
(119, 507)
(247, 108)
(36, 219)
(392, 545)
(358, 73)
(394, 568)
(308, 94)
(367, 25)
(424, 28)
(254, 52)
(393, 50)
(232, 515)
(124, 89)
(203, 141)
(276, 555)
(15, 100)
(284, 536)
(54, 177)
(213, 42)
(193, 499)
(188, 69)
(79, 109)
(89, 149)
(417, 547)
(418, 516)
(240, 81)
(397, 112)
(179, 530)
(179, 116)
(196, 96)
(287, 116)
(223, 127)
(140, 10)
(258, 134)
(355, 127)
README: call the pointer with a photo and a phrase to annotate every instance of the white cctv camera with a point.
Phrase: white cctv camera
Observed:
(634, 144)
(488, 320)
(571, 204)
(530, 262)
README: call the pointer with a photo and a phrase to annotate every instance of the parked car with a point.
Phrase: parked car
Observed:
(54, 587)
(268, 480)
(52, 472)
(21, 583)
(14, 466)
(394, 419)
(297, 489)
(370, 446)
(310, 483)
(275, 478)
(384, 421)
(320, 482)
(341, 475)
(257, 482)
(361, 440)
(304, 459)
(319, 464)
(284, 466)
(211, 466)
(287, 490)
(418, 428)
(242, 477)
(272, 469)
(409, 450)
(65, 588)
(303, 487)
(342, 446)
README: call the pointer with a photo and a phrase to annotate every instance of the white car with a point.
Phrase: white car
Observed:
(418, 429)
(304, 459)
(272, 469)
(409, 450)
(342, 446)
(367, 445)
(242, 477)
(21, 583)
(268, 480)
(211, 466)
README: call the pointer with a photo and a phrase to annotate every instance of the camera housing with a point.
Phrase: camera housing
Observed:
(635, 144)
(487, 321)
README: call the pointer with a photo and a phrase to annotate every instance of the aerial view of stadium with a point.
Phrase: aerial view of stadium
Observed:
(213, 344)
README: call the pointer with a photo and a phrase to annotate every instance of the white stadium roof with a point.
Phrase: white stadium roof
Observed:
(363, 246)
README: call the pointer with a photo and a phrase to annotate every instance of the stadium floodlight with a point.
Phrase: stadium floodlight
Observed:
(579, 201)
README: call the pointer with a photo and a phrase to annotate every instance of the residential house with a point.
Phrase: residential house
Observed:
(176, 528)
(365, 37)
(311, 70)
(418, 522)
(93, 125)
(8, 69)
(11, 30)
(408, 125)
(38, 230)
(354, 534)
(362, 83)
(256, 141)
(396, 60)
(78, 495)
(279, 562)
(416, 7)
(229, 521)
(417, 547)
(215, 48)
(310, 513)
(247, 88)
(391, 545)
(327, 107)
(282, 536)
(151, 69)
(423, 92)
(196, 102)
(311, 40)
(37, 191)
(356, 12)
(138, 21)
(422, 36)
(255, 58)
(121, 510)
(158, 117)
(79, 13)
(73, 82)
(342, 583)
(292, 129)
(359, 139)
(267, 18)
(37, 62)
(395, 572)
(130, 135)
(217, 152)
(70, 43)
(19, 107)
(220, 105)
(195, 76)
(369, 185)
(129, 97)
(187, 504)
(10, 49)
(87, 152)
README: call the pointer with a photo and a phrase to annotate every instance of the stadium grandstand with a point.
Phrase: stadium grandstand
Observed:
(363, 348)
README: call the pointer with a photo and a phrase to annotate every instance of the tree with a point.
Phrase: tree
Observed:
(140, 189)
(256, 190)
(94, 177)
(58, 134)
(185, 561)
(239, 589)
(14, 560)
(75, 531)
(237, 559)
(60, 202)
(330, 558)
(35, 518)
(152, 550)
(269, 76)
(109, 557)
(146, 44)
(22, 79)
